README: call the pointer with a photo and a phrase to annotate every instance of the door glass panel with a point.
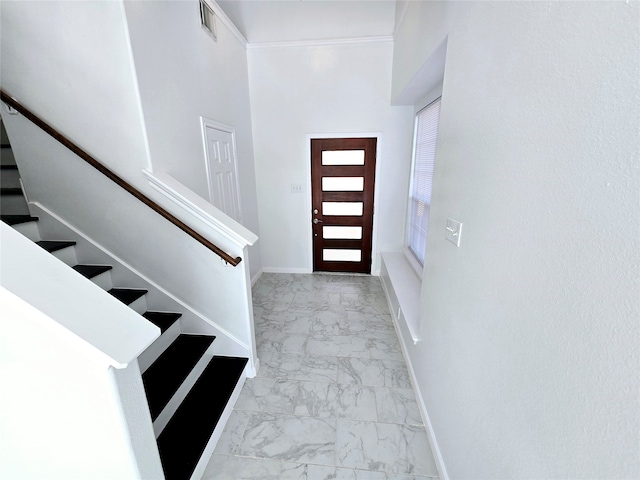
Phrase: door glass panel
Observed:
(342, 208)
(352, 233)
(343, 157)
(341, 255)
(342, 184)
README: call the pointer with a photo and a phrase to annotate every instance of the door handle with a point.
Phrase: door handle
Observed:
(316, 221)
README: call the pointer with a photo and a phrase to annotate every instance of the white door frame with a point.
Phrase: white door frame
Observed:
(208, 123)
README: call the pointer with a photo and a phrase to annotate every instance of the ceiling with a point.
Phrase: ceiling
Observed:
(274, 21)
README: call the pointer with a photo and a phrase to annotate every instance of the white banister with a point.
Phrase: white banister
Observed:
(110, 329)
(200, 209)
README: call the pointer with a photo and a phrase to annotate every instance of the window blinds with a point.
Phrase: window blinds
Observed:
(424, 156)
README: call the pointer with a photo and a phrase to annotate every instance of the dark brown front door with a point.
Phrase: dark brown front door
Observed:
(342, 186)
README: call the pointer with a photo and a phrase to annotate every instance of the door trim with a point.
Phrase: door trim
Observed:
(375, 262)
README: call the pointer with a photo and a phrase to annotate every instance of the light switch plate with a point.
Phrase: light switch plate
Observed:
(454, 231)
(296, 188)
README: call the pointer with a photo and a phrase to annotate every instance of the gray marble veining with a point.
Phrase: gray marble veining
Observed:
(223, 467)
(357, 402)
(270, 395)
(384, 447)
(291, 438)
(369, 326)
(328, 400)
(301, 471)
(374, 372)
(300, 367)
(397, 405)
(338, 346)
(233, 432)
(333, 397)
(283, 342)
(317, 399)
(385, 348)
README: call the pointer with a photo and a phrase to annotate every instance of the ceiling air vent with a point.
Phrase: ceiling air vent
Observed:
(208, 19)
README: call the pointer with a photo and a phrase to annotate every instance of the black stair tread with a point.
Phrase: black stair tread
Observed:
(185, 437)
(91, 271)
(163, 378)
(17, 219)
(163, 320)
(10, 191)
(127, 295)
(8, 167)
(54, 245)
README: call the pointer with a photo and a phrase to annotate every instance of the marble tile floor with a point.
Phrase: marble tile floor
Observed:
(332, 398)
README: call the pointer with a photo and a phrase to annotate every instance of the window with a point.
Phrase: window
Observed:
(424, 156)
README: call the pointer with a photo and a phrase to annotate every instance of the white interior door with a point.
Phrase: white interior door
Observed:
(222, 169)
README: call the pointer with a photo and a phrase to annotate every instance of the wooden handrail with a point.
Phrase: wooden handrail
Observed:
(115, 178)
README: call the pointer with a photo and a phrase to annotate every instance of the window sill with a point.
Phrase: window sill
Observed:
(402, 286)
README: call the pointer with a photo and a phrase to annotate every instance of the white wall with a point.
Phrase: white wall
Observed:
(529, 360)
(70, 63)
(324, 89)
(183, 75)
(60, 413)
(81, 196)
(79, 75)
(127, 229)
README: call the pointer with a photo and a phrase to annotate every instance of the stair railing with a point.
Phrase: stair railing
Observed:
(28, 114)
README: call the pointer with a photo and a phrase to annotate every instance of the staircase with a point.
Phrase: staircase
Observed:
(188, 387)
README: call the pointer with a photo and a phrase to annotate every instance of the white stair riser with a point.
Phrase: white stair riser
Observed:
(9, 178)
(14, 205)
(140, 305)
(66, 255)
(156, 349)
(103, 280)
(181, 393)
(29, 230)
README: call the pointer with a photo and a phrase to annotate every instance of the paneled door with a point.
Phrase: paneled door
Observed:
(342, 186)
(221, 167)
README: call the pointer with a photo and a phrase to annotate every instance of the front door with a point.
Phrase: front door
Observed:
(342, 186)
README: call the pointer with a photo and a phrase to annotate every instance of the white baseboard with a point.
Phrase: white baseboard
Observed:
(375, 273)
(435, 449)
(286, 270)
(256, 277)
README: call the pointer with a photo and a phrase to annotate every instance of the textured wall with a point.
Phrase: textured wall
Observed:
(529, 359)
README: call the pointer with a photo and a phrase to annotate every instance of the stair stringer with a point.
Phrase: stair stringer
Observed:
(123, 274)
(51, 224)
